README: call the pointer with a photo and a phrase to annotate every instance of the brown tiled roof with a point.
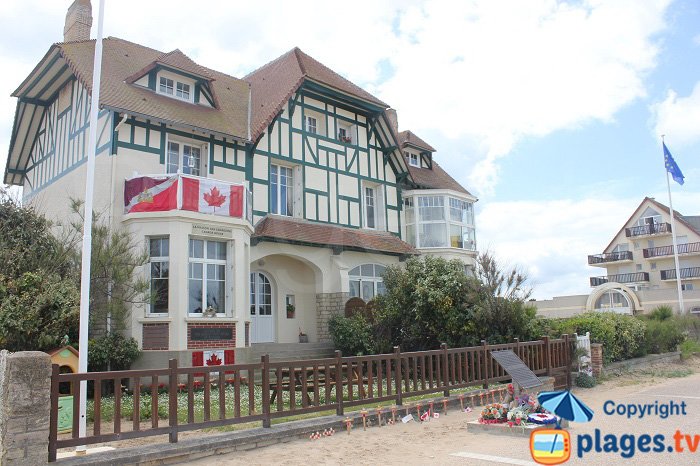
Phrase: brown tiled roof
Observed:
(274, 83)
(437, 178)
(407, 137)
(175, 59)
(122, 59)
(304, 232)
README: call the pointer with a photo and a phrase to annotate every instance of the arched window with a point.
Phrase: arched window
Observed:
(614, 300)
(366, 281)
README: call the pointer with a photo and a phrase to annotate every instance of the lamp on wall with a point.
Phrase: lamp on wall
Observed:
(261, 262)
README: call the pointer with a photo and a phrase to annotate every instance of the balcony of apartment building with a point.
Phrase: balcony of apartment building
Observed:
(648, 229)
(609, 257)
(186, 192)
(633, 277)
(687, 249)
(686, 273)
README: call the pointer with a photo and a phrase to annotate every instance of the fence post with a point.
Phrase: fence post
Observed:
(397, 375)
(567, 359)
(485, 351)
(445, 371)
(517, 346)
(338, 382)
(53, 419)
(547, 357)
(265, 359)
(172, 399)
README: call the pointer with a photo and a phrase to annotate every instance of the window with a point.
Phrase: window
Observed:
(311, 124)
(159, 252)
(207, 276)
(650, 216)
(370, 208)
(653, 266)
(166, 86)
(613, 300)
(687, 286)
(440, 224)
(621, 247)
(183, 91)
(184, 158)
(281, 190)
(342, 133)
(366, 281)
(413, 159)
(638, 267)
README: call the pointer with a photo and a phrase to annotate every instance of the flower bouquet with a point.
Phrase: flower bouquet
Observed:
(518, 416)
(493, 413)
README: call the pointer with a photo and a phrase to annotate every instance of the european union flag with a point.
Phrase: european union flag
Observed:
(672, 166)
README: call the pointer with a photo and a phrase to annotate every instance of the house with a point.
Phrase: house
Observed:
(639, 266)
(265, 202)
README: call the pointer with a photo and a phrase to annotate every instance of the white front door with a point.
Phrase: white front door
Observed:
(262, 324)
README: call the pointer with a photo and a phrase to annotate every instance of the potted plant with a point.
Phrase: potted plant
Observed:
(291, 310)
(303, 338)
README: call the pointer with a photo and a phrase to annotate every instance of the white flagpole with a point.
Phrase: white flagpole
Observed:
(681, 307)
(87, 227)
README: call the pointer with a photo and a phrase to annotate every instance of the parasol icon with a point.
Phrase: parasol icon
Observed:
(565, 405)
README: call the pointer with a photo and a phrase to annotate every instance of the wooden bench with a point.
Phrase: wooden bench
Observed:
(311, 382)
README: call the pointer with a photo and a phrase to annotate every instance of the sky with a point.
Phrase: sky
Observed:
(549, 112)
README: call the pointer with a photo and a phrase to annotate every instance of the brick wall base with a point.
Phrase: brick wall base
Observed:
(328, 305)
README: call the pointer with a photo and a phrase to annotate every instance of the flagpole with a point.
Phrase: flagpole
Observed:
(681, 307)
(87, 229)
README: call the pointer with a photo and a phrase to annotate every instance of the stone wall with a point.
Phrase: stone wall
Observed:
(25, 402)
(328, 305)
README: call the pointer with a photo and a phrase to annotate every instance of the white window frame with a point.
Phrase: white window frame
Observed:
(413, 202)
(162, 259)
(278, 195)
(171, 85)
(368, 202)
(206, 261)
(413, 159)
(181, 92)
(181, 155)
(308, 125)
(166, 85)
(375, 279)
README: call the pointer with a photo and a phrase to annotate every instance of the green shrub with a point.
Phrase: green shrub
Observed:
(664, 312)
(689, 348)
(112, 351)
(620, 334)
(584, 380)
(661, 336)
(352, 335)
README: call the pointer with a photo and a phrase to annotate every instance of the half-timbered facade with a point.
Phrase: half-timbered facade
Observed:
(264, 203)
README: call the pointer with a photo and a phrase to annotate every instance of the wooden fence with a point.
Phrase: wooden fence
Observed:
(213, 396)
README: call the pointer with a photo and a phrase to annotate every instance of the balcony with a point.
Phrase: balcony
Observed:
(649, 229)
(160, 193)
(634, 277)
(610, 257)
(687, 273)
(686, 248)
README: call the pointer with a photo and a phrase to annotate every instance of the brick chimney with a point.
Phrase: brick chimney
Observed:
(78, 21)
(393, 119)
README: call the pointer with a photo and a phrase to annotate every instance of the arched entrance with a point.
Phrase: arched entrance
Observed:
(262, 319)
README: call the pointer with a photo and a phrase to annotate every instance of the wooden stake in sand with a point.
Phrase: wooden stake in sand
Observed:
(444, 406)
(393, 415)
(430, 413)
(461, 401)
(408, 409)
(379, 416)
(471, 397)
(418, 407)
(364, 419)
(348, 424)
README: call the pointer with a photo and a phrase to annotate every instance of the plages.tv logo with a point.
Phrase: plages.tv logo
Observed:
(553, 446)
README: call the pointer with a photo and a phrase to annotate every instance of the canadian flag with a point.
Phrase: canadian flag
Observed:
(212, 197)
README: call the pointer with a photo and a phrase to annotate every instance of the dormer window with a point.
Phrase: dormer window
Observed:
(171, 86)
(413, 159)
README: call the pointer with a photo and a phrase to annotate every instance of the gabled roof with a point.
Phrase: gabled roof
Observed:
(690, 222)
(121, 59)
(308, 233)
(274, 83)
(435, 178)
(409, 138)
(176, 60)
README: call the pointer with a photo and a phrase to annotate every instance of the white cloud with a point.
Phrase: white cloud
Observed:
(496, 72)
(679, 117)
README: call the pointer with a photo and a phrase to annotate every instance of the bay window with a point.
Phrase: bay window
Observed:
(439, 221)
(207, 276)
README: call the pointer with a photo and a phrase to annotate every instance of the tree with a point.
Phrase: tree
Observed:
(39, 296)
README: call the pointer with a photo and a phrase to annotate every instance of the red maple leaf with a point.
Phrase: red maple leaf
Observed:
(214, 359)
(214, 197)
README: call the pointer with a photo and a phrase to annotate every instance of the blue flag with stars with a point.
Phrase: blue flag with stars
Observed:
(672, 166)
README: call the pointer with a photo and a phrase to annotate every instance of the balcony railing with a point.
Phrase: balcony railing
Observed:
(648, 229)
(159, 193)
(689, 272)
(610, 257)
(686, 248)
(634, 277)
